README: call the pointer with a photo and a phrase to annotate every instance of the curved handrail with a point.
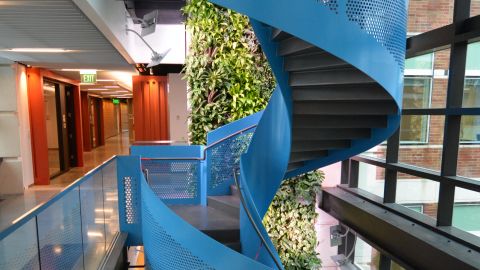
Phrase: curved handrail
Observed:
(205, 149)
(252, 221)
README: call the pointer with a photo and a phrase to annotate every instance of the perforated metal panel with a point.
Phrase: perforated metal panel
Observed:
(19, 249)
(331, 4)
(166, 253)
(131, 202)
(385, 20)
(223, 158)
(174, 181)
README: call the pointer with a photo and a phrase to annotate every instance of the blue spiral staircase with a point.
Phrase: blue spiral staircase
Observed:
(339, 71)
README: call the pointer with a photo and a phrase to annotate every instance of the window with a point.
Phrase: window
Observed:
(371, 178)
(419, 171)
(366, 257)
(466, 211)
(471, 93)
(419, 65)
(414, 128)
(470, 129)
(467, 217)
(416, 95)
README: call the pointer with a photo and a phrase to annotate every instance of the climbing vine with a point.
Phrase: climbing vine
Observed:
(290, 221)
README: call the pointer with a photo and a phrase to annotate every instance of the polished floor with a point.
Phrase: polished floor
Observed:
(53, 161)
(14, 206)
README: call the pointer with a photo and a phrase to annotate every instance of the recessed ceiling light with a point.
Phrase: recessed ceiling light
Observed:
(111, 86)
(39, 50)
(88, 71)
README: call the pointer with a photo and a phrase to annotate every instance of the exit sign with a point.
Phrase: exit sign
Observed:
(88, 78)
(116, 101)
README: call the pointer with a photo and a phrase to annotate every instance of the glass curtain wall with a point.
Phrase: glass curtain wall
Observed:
(434, 158)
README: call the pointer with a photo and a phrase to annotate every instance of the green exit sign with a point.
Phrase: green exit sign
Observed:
(116, 101)
(88, 78)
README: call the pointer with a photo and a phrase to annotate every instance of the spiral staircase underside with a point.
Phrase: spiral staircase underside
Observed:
(333, 102)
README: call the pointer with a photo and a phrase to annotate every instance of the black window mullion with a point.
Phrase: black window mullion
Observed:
(456, 79)
(345, 172)
(353, 174)
(390, 188)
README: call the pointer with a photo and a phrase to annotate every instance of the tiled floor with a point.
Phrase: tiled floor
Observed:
(14, 206)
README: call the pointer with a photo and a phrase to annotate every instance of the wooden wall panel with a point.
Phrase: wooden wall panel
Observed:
(150, 107)
(38, 126)
(87, 143)
(78, 125)
(110, 119)
(124, 117)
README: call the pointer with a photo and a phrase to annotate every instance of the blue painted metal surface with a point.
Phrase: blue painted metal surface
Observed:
(172, 243)
(229, 129)
(222, 158)
(176, 181)
(129, 198)
(74, 228)
(262, 171)
(194, 152)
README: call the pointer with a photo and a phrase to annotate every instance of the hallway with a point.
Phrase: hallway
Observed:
(14, 206)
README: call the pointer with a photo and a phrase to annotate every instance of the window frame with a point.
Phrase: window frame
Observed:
(456, 36)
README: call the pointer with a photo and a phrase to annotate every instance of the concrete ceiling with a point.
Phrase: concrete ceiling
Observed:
(55, 24)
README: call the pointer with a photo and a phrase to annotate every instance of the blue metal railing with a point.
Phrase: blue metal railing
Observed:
(72, 230)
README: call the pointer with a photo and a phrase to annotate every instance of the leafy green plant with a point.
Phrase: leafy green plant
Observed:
(290, 221)
(227, 73)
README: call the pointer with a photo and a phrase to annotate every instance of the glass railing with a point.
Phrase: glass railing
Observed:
(72, 230)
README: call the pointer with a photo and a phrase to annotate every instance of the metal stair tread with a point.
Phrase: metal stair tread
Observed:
(206, 218)
(344, 108)
(293, 45)
(313, 61)
(307, 155)
(329, 77)
(279, 35)
(339, 121)
(299, 134)
(340, 92)
(301, 146)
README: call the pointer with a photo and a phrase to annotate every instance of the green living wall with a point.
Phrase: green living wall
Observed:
(227, 73)
(229, 78)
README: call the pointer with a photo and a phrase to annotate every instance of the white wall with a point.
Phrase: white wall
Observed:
(110, 18)
(178, 108)
(16, 170)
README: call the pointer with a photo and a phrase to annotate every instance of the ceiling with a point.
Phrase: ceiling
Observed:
(168, 10)
(55, 24)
